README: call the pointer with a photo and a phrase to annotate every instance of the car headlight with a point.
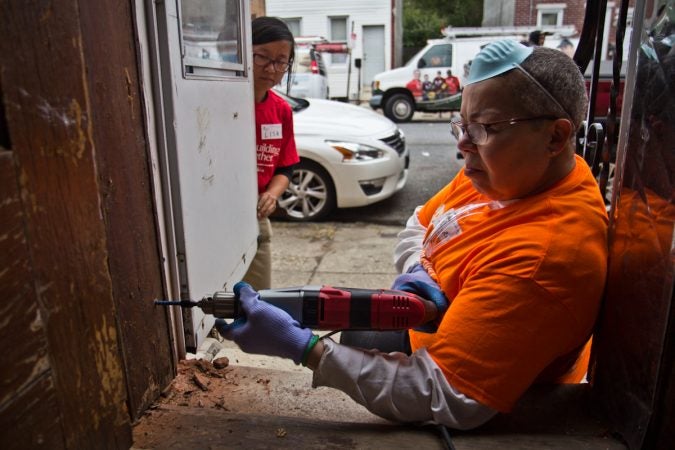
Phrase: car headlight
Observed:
(353, 151)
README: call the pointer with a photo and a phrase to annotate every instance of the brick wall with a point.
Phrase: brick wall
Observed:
(526, 12)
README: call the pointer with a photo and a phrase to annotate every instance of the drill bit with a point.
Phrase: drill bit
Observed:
(221, 304)
(181, 303)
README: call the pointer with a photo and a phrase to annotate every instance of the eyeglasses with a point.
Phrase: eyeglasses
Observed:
(264, 61)
(478, 132)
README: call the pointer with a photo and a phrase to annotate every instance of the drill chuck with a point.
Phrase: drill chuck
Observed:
(221, 304)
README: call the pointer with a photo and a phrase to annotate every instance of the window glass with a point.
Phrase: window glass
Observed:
(549, 18)
(294, 26)
(338, 33)
(438, 56)
(211, 34)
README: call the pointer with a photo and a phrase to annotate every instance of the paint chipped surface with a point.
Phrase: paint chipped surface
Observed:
(203, 126)
(37, 323)
(203, 123)
(130, 92)
(69, 117)
(39, 363)
(107, 359)
(27, 196)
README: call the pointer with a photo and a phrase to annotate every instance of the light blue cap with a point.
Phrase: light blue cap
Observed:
(497, 58)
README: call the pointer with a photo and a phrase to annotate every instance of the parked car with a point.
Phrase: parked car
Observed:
(309, 79)
(605, 75)
(349, 156)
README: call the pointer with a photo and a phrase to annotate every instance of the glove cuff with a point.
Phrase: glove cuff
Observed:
(308, 349)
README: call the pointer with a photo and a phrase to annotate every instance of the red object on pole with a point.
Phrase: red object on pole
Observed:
(332, 47)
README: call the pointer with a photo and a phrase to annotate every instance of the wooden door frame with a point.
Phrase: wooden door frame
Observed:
(75, 118)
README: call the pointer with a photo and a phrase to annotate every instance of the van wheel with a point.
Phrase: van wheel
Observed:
(310, 194)
(399, 108)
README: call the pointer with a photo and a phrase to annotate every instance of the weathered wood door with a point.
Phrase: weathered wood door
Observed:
(84, 350)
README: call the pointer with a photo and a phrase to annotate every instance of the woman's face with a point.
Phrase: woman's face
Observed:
(265, 76)
(515, 160)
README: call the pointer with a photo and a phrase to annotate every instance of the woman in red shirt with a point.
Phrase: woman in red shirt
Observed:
(273, 54)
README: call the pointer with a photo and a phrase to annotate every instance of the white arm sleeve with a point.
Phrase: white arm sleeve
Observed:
(398, 387)
(409, 247)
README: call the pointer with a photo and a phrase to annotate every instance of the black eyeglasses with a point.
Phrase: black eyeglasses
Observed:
(478, 132)
(264, 61)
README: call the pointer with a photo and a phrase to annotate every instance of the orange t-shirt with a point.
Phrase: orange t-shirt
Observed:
(525, 281)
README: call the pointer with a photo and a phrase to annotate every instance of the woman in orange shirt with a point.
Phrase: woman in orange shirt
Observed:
(517, 242)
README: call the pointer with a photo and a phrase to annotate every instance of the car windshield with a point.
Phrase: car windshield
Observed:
(296, 104)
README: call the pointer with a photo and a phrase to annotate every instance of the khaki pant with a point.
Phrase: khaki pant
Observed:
(259, 274)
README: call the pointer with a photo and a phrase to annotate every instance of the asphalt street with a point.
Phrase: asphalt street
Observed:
(433, 163)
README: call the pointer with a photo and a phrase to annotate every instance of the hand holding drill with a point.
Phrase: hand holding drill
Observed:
(277, 322)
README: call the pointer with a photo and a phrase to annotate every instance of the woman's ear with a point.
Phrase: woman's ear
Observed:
(562, 131)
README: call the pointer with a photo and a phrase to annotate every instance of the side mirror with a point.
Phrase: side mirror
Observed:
(357, 63)
(421, 63)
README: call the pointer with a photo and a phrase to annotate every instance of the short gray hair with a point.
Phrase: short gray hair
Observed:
(560, 76)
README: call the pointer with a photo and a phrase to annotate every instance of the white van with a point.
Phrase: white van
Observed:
(399, 99)
(310, 78)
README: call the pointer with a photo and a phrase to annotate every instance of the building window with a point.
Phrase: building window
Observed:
(211, 37)
(338, 33)
(294, 25)
(550, 14)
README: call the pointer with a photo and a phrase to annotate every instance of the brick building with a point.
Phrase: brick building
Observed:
(549, 14)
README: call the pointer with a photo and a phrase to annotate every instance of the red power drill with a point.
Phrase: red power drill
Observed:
(329, 308)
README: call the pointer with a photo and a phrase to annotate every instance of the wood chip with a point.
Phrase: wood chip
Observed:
(200, 381)
(221, 363)
(281, 432)
(204, 366)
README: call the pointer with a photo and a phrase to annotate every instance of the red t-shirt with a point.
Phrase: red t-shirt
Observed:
(452, 82)
(274, 138)
(415, 88)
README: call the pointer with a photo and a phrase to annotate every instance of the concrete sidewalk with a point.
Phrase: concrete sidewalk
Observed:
(337, 254)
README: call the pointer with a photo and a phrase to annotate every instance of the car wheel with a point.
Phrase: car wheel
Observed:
(310, 194)
(399, 108)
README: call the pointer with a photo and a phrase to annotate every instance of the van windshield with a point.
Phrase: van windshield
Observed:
(437, 55)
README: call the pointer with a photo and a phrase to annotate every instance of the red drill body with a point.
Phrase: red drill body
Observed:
(331, 308)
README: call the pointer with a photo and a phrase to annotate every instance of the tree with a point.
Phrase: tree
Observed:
(424, 19)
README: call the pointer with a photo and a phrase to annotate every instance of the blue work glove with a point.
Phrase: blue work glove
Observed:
(417, 281)
(265, 329)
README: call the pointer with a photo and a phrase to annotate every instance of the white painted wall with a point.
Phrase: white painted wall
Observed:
(315, 21)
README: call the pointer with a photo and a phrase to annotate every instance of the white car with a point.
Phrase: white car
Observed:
(349, 156)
